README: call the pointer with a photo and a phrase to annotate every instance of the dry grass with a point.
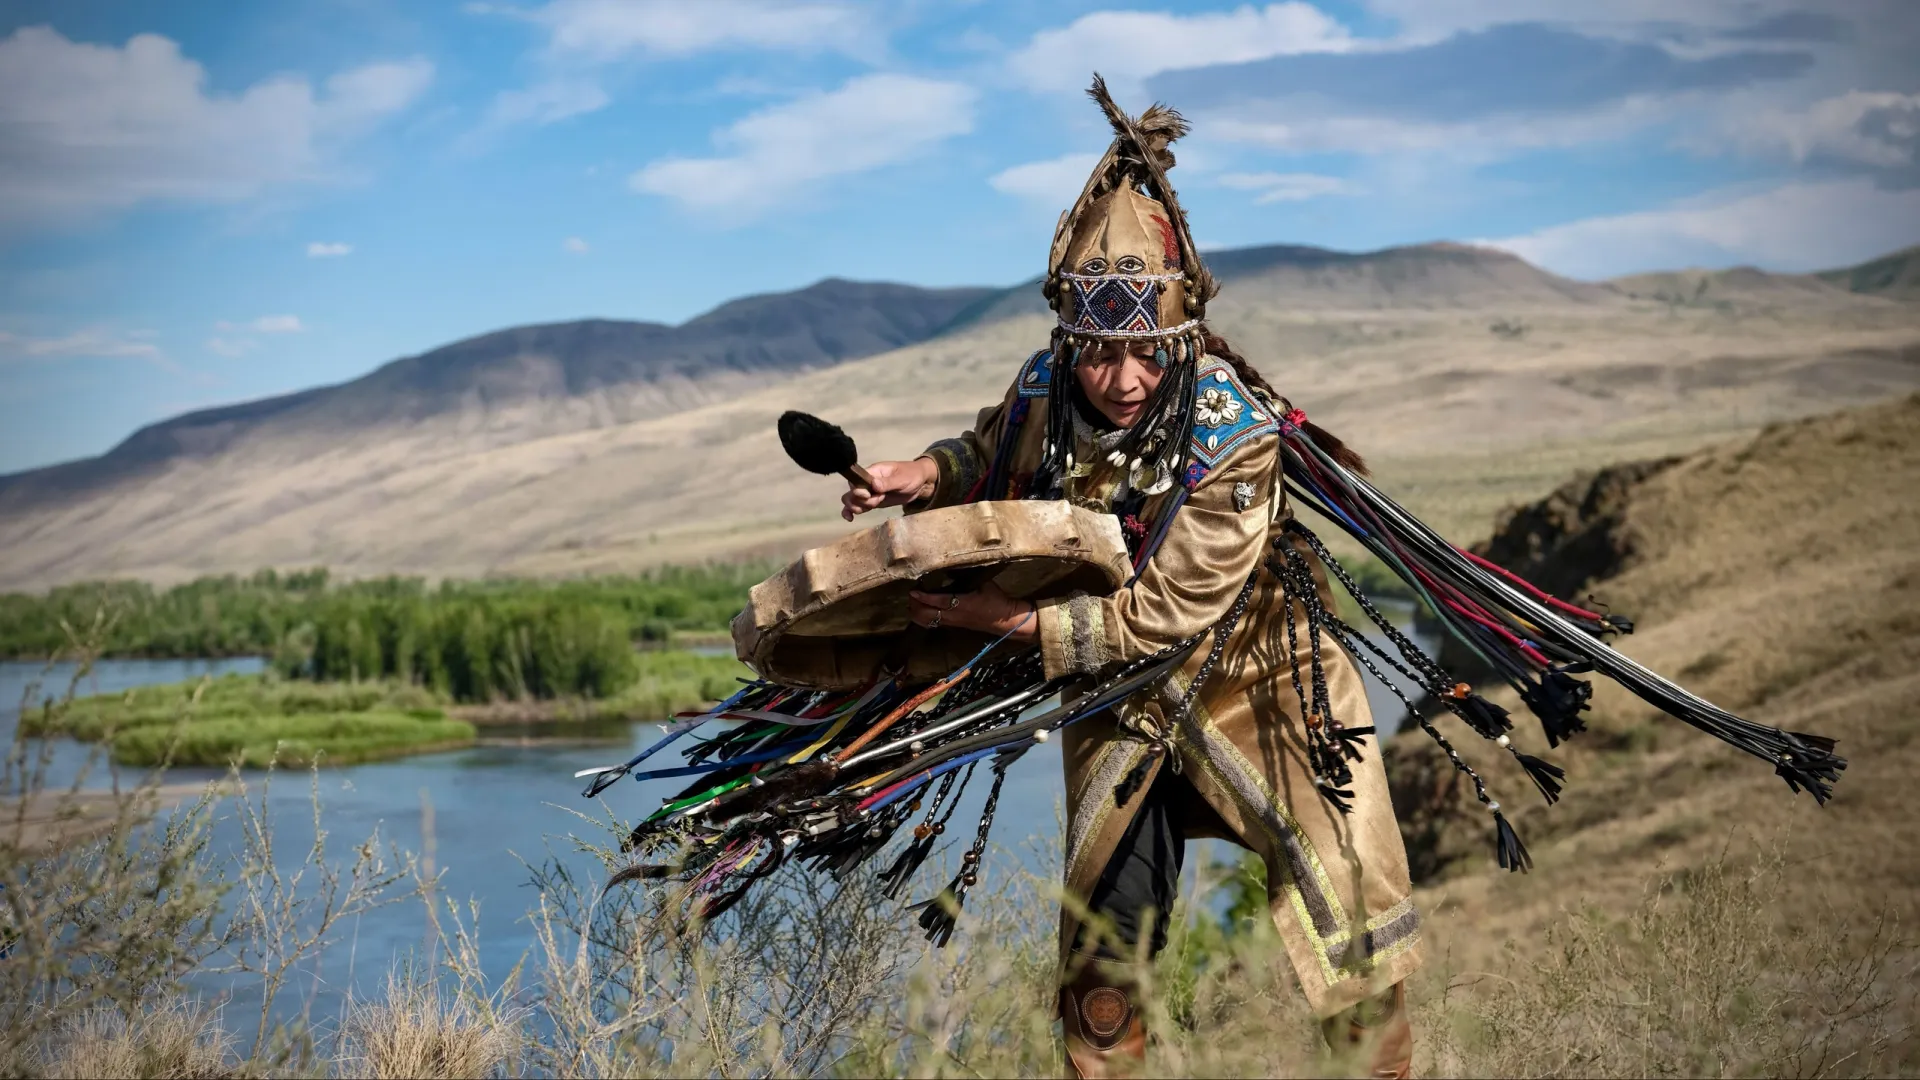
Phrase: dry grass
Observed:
(180, 1040)
(1696, 980)
(422, 1032)
(1701, 978)
(1686, 916)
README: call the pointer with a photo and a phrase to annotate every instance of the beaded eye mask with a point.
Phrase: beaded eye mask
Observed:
(1119, 306)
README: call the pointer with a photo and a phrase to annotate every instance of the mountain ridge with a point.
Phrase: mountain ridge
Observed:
(512, 460)
(830, 321)
(597, 362)
(1895, 274)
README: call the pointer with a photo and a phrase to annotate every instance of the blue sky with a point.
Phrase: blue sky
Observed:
(203, 203)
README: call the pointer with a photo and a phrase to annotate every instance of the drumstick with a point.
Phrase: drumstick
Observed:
(820, 447)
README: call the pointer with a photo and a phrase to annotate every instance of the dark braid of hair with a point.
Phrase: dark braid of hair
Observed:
(1331, 443)
(1051, 474)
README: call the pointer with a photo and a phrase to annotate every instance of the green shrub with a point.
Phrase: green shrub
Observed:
(480, 639)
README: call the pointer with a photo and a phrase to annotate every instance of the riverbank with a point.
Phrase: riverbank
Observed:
(256, 719)
(66, 817)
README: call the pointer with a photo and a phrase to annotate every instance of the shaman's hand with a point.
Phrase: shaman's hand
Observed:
(894, 483)
(989, 611)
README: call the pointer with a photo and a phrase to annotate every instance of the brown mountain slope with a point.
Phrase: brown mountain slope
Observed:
(1416, 277)
(1779, 577)
(1896, 276)
(1420, 277)
(1462, 406)
(1741, 286)
(531, 381)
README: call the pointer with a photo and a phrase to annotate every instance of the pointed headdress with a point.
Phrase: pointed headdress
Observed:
(1123, 266)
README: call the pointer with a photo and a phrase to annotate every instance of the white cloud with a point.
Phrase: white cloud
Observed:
(1057, 180)
(1287, 187)
(607, 30)
(265, 324)
(576, 246)
(1129, 46)
(321, 249)
(546, 102)
(1794, 227)
(871, 121)
(230, 347)
(87, 128)
(93, 342)
(585, 37)
(1314, 130)
(1879, 130)
(376, 90)
(1426, 20)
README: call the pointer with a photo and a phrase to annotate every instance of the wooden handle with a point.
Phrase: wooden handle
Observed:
(858, 476)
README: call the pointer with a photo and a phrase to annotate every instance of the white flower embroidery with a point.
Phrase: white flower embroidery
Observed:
(1216, 407)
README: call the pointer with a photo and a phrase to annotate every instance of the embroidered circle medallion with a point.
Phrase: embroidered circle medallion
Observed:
(1105, 1011)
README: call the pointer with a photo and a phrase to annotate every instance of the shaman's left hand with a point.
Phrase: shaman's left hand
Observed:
(989, 611)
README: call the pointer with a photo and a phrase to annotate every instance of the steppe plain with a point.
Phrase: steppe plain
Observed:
(1469, 378)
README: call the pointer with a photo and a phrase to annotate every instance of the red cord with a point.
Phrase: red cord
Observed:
(888, 790)
(1537, 591)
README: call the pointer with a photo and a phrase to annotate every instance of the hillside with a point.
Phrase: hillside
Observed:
(1739, 286)
(1778, 576)
(1302, 278)
(1470, 378)
(1896, 276)
(536, 380)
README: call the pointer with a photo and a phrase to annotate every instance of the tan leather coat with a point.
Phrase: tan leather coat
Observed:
(1338, 889)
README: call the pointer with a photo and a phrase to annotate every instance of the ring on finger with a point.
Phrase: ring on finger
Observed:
(935, 624)
(953, 602)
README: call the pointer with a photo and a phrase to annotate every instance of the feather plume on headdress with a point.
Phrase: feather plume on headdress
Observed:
(1140, 155)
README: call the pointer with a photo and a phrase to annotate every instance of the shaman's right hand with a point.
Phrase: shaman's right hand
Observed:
(894, 483)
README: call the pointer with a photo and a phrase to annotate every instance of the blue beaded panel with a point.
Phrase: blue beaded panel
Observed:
(1225, 414)
(1036, 374)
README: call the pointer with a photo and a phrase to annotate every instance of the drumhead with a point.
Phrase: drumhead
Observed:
(838, 614)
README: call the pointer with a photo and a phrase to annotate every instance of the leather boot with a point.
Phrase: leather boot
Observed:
(1101, 1016)
(1378, 1028)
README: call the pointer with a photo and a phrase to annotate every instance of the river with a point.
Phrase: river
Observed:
(490, 808)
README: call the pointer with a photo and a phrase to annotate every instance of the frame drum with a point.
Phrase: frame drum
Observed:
(835, 617)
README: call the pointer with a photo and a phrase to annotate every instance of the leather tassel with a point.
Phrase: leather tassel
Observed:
(893, 879)
(1347, 740)
(1558, 699)
(1483, 716)
(939, 915)
(1511, 852)
(1338, 797)
(850, 850)
(1546, 775)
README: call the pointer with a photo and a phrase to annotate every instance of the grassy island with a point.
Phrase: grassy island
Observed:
(375, 669)
(249, 719)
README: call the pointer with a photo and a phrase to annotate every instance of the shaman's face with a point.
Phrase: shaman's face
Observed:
(1119, 379)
